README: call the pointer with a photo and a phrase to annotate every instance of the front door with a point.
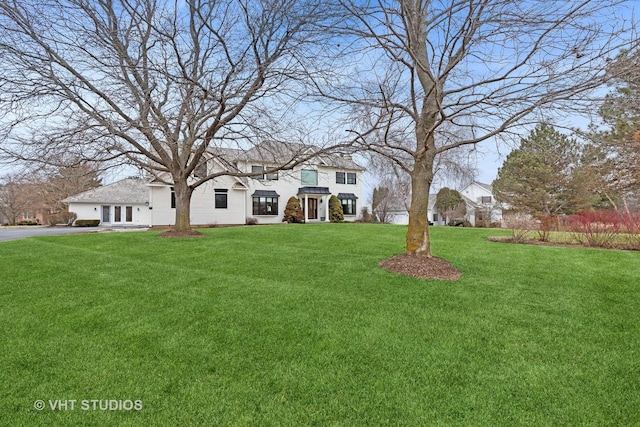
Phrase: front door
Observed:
(312, 208)
(105, 214)
(123, 214)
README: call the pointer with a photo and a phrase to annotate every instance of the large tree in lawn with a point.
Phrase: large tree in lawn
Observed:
(157, 83)
(443, 75)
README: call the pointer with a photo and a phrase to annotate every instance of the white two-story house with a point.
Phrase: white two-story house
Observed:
(233, 199)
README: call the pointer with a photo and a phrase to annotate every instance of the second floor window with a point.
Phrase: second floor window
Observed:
(259, 171)
(273, 176)
(308, 177)
(346, 178)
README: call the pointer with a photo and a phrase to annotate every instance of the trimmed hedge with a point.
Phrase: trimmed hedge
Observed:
(86, 223)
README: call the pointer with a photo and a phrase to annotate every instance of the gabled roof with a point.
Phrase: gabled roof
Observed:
(279, 152)
(487, 187)
(129, 190)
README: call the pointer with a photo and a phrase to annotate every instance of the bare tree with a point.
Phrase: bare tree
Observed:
(158, 83)
(16, 198)
(58, 183)
(443, 75)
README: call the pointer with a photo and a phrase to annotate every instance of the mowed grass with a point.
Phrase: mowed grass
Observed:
(296, 325)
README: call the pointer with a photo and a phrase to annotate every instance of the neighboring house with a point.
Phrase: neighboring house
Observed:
(231, 200)
(481, 207)
(398, 212)
(21, 203)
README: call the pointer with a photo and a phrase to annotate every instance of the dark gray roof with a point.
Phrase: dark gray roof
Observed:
(314, 190)
(265, 193)
(347, 196)
(279, 152)
(130, 190)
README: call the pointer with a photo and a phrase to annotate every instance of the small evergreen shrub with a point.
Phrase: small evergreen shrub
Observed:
(335, 210)
(86, 223)
(293, 211)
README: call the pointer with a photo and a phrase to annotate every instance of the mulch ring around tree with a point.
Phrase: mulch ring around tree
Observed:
(421, 266)
(177, 233)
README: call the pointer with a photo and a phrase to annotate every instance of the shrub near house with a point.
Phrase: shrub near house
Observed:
(293, 211)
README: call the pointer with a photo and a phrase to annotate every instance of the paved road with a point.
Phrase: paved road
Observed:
(14, 233)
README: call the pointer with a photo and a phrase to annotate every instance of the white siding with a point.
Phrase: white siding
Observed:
(203, 210)
(288, 184)
(140, 213)
(85, 210)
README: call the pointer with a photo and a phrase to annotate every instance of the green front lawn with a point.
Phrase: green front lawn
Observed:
(296, 325)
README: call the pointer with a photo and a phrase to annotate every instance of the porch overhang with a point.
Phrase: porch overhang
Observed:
(314, 191)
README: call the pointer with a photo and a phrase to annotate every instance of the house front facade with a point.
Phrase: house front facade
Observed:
(226, 199)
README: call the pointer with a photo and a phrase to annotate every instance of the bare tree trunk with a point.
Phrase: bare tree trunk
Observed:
(183, 205)
(418, 242)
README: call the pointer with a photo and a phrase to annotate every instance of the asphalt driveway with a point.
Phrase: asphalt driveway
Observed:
(14, 233)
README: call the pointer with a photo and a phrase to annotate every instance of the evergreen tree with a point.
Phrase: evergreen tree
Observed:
(293, 211)
(535, 177)
(335, 210)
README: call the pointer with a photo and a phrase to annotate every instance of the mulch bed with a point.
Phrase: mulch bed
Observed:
(613, 246)
(421, 266)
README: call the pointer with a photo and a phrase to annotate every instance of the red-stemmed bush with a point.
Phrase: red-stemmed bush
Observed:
(605, 228)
